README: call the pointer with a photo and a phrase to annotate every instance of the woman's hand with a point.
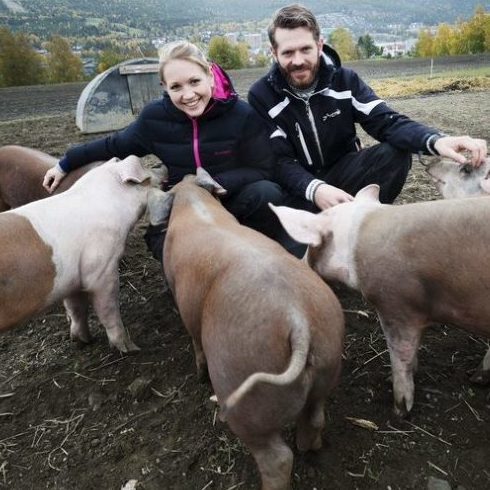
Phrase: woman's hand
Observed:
(52, 178)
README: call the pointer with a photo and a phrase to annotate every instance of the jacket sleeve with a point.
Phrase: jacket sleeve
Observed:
(121, 144)
(288, 171)
(385, 124)
(255, 157)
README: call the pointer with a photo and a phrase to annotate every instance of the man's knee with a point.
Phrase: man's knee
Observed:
(395, 158)
(263, 192)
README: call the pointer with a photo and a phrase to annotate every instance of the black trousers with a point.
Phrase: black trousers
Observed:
(380, 164)
(249, 205)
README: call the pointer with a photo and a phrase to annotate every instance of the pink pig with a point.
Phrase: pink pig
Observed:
(68, 247)
(406, 260)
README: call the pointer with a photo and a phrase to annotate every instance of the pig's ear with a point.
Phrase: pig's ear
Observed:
(159, 206)
(302, 226)
(203, 179)
(368, 193)
(159, 174)
(131, 170)
(485, 185)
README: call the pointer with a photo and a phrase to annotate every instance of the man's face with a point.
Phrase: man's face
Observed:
(298, 55)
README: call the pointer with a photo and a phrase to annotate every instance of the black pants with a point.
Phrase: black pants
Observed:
(248, 205)
(380, 164)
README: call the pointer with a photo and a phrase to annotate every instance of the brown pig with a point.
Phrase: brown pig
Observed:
(269, 329)
(68, 247)
(21, 175)
(407, 261)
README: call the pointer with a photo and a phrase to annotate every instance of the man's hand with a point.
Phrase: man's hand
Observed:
(327, 196)
(52, 178)
(451, 146)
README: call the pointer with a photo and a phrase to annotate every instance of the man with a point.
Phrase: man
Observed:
(312, 104)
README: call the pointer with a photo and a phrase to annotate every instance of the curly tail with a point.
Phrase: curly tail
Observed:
(300, 347)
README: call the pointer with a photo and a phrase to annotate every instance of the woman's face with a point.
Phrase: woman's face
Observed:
(190, 87)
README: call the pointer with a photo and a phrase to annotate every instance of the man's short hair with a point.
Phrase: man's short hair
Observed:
(291, 17)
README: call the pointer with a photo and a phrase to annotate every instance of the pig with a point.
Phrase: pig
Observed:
(268, 330)
(417, 264)
(68, 247)
(21, 175)
(457, 181)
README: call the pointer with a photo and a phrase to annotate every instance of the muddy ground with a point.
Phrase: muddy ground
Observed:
(89, 418)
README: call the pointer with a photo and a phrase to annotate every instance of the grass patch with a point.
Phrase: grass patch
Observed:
(461, 80)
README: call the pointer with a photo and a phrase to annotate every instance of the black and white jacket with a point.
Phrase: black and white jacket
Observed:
(309, 137)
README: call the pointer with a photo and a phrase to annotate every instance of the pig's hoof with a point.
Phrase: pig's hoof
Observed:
(481, 377)
(128, 347)
(401, 409)
(81, 339)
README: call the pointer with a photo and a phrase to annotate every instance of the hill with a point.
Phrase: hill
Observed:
(81, 18)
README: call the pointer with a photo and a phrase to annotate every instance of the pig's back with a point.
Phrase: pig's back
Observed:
(436, 250)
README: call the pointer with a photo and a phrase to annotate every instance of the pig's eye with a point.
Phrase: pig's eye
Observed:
(466, 169)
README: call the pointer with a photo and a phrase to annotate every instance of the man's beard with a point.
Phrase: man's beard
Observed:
(287, 73)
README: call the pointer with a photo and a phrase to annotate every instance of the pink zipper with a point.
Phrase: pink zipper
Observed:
(195, 137)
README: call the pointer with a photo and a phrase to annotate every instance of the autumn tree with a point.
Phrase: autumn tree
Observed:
(343, 42)
(108, 58)
(20, 64)
(468, 37)
(63, 64)
(223, 52)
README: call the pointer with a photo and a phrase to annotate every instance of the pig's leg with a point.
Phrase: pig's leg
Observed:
(482, 374)
(106, 304)
(76, 306)
(274, 459)
(403, 342)
(201, 364)
(309, 427)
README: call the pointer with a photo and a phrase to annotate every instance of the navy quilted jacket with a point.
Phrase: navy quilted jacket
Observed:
(229, 140)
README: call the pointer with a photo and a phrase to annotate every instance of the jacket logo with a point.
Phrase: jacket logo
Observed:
(223, 153)
(332, 114)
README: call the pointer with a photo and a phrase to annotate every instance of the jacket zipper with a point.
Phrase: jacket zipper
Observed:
(313, 127)
(195, 143)
(315, 132)
(303, 144)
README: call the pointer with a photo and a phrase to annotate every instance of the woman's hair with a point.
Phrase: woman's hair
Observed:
(291, 17)
(182, 50)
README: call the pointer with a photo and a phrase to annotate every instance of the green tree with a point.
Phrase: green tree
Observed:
(224, 53)
(20, 64)
(341, 39)
(366, 47)
(63, 64)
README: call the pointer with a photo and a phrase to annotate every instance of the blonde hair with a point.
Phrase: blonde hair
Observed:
(181, 50)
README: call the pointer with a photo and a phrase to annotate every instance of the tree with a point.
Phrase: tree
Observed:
(224, 53)
(366, 47)
(341, 39)
(19, 62)
(425, 44)
(108, 58)
(63, 64)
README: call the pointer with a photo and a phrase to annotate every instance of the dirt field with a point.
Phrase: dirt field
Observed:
(90, 418)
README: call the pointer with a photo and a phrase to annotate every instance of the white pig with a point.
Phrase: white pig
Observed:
(68, 247)
(456, 181)
(408, 262)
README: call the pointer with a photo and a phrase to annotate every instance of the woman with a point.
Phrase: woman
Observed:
(200, 121)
